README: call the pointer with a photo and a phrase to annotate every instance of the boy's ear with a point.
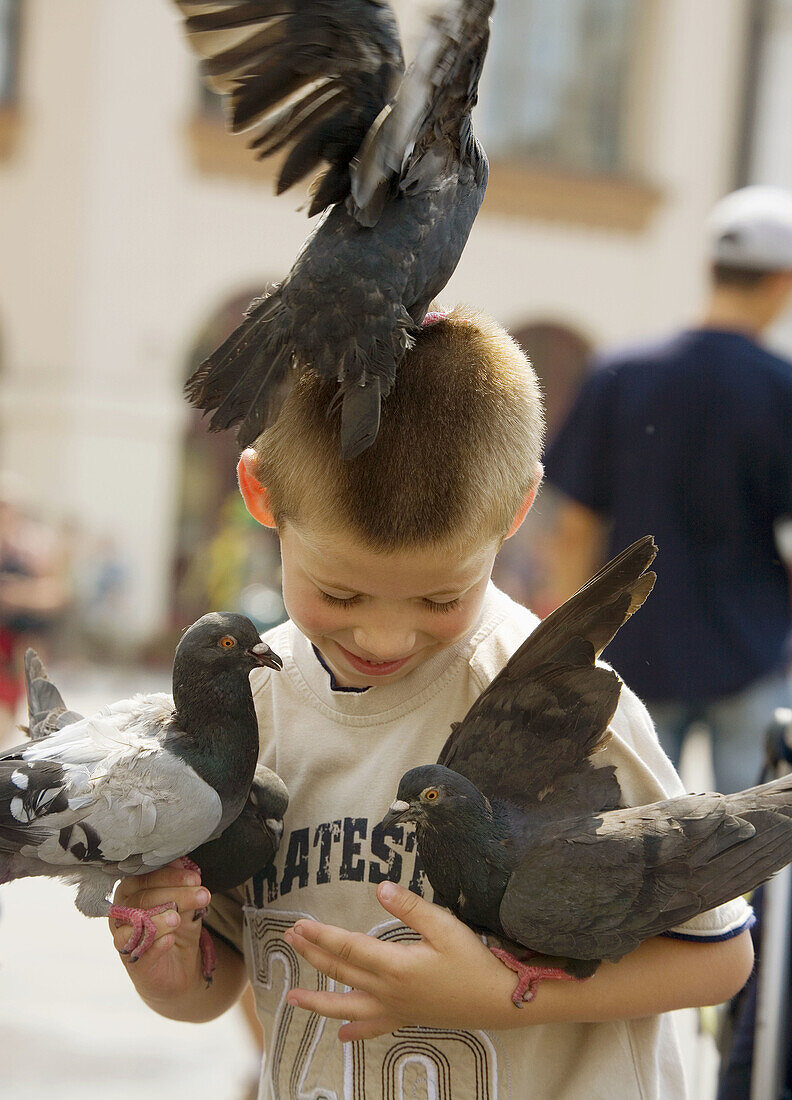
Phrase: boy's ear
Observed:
(526, 504)
(254, 494)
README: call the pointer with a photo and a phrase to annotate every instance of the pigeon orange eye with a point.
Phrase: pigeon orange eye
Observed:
(432, 794)
(227, 642)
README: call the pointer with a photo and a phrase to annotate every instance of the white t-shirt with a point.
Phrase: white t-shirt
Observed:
(341, 754)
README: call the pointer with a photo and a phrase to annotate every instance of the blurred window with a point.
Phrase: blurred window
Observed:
(765, 154)
(224, 559)
(558, 82)
(9, 42)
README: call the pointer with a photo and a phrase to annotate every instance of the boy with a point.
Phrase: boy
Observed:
(394, 631)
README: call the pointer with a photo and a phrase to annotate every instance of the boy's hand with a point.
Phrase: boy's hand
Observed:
(448, 979)
(172, 964)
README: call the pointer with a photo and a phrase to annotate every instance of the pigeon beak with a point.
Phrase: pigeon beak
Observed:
(397, 812)
(265, 657)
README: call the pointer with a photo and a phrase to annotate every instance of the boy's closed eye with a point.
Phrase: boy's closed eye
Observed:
(338, 601)
(351, 601)
(448, 605)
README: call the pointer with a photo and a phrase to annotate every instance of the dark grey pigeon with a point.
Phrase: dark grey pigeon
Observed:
(523, 837)
(251, 841)
(405, 179)
(141, 783)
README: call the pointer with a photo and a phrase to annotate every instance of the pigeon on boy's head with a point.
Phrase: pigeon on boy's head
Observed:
(141, 783)
(405, 181)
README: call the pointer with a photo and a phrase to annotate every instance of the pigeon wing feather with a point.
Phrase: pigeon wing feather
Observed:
(438, 92)
(530, 736)
(104, 790)
(596, 889)
(307, 75)
(153, 811)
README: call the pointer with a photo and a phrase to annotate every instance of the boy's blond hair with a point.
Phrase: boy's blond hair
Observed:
(456, 453)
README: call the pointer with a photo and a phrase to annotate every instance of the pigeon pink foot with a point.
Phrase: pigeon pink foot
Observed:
(143, 928)
(528, 977)
(205, 943)
(188, 864)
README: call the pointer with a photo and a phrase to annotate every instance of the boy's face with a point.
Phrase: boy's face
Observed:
(375, 617)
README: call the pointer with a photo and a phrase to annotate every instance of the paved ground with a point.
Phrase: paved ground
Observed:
(71, 1023)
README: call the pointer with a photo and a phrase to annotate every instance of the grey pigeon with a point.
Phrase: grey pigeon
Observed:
(143, 782)
(405, 181)
(524, 837)
(248, 844)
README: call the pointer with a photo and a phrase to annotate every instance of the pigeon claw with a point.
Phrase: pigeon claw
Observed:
(528, 977)
(143, 928)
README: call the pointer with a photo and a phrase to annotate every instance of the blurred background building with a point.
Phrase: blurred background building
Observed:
(134, 232)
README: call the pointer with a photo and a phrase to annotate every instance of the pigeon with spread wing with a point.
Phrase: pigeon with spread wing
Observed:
(522, 834)
(405, 178)
(145, 781)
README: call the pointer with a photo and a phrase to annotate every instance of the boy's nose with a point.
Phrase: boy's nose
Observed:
(385, 643)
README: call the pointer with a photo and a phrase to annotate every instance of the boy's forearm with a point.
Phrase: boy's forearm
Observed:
(662, 975)
(449, 979)
(200, 1003)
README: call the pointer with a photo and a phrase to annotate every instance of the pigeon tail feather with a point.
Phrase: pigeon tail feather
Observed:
(360, 418)
(45, 702)
(245, 382)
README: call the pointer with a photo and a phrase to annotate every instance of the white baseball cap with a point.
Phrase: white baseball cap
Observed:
(752, 228)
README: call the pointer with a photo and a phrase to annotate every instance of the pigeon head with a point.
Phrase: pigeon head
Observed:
(212, 666)
(223, 639)
(431, 792)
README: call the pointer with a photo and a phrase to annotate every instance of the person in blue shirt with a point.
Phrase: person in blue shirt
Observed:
(690, 439)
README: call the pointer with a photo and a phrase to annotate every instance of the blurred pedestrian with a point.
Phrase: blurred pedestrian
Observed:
(690, 439)
(33, 592)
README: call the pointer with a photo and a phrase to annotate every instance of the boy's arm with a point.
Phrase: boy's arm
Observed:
(168, 976)
(449, 979)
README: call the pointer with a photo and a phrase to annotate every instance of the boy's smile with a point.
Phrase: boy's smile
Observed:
(375, 616)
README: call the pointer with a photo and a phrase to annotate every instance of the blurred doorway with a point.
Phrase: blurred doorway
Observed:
(224, 560)
(560, 355)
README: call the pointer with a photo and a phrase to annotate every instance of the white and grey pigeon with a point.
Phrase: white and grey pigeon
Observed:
(143, 782)
(246, 846)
